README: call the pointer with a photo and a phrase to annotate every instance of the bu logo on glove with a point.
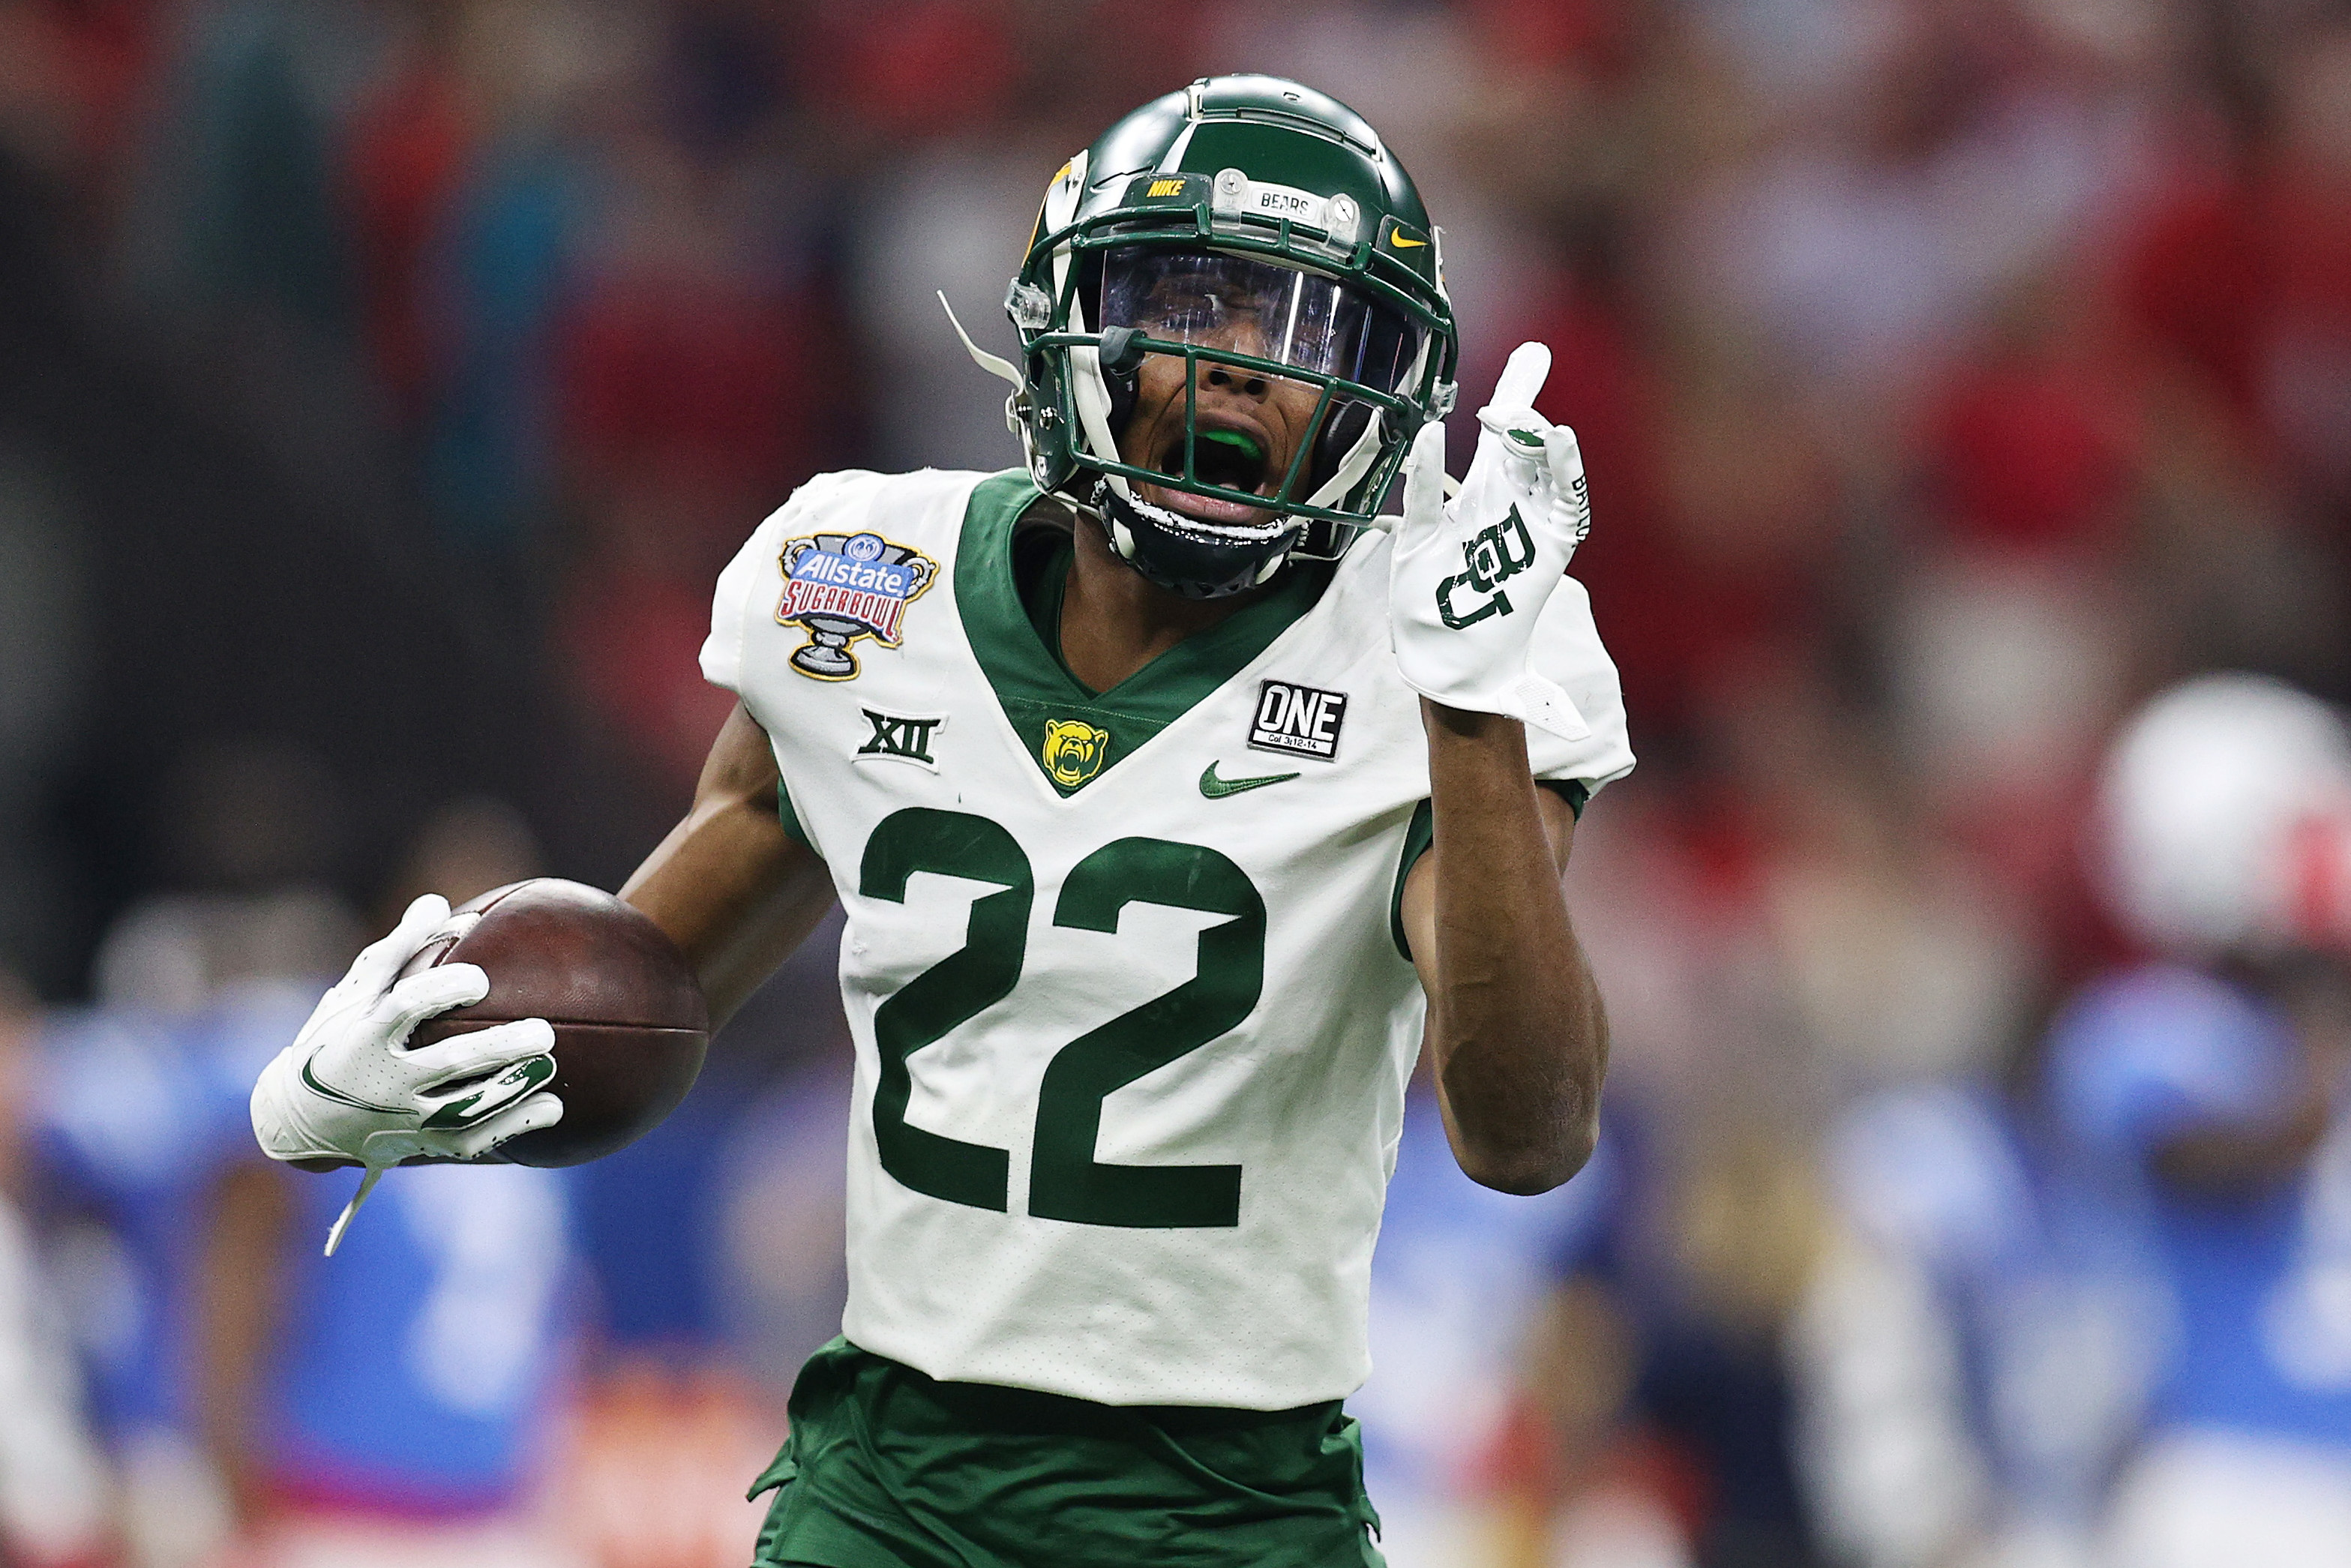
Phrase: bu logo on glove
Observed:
(1486, 562)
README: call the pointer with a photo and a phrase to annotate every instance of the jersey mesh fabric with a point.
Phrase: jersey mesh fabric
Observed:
(1131, 1043)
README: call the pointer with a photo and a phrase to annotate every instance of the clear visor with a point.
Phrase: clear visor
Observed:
(1260, 308)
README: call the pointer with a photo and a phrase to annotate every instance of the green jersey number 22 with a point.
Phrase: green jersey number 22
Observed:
(1065, 1181)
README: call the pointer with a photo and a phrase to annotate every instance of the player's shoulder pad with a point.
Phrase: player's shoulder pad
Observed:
(822, 503)
(904, 508)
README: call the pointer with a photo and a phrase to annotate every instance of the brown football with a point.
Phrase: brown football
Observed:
(631, 1025)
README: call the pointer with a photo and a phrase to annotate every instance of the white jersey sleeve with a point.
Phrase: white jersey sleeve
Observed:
(1567, 649)
(747, 590)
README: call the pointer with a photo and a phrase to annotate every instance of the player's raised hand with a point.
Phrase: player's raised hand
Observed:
(1470, 577)
(349, 1089)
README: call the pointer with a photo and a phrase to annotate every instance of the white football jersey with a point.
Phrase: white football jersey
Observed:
(1132, 1011)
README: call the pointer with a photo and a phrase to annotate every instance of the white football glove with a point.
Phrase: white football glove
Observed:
(348, 1088)
(1468, 578)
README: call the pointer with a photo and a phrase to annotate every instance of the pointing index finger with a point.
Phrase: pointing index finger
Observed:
(1522, 378)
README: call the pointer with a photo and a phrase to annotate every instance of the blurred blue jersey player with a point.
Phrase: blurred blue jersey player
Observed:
(2111, 1323)
(398, 1397)
(414, 1374)
(1459, 1282)
(135, 1116)
(1974, 1349)
(387, 1407)
(2207, 1092)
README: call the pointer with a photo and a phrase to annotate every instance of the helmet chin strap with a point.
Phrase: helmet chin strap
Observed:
(1386, 522)
(994, 365)
(1360, 457)
(1093, 416)
(1091, 394)
(1122, 512)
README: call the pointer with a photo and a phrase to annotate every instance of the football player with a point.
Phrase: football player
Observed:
(1177, 801)
(2207, 1086)
(2108, 1323)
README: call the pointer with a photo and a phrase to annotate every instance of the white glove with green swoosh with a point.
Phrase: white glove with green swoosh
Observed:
(1470, 577)
(349, 1089)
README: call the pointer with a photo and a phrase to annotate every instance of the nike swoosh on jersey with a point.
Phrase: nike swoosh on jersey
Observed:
(1217, 789)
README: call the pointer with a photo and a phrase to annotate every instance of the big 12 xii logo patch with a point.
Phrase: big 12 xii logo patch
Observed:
(842, 587)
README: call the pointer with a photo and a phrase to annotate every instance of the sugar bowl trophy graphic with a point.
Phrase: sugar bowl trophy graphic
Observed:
(842, 587)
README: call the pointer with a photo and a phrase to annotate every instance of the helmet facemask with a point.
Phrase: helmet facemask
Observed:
(1281, 370)
(1261, 390)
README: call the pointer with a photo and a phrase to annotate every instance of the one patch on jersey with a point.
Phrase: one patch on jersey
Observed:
(900, 737)
(842, 587)
(1074, 751)
(1298, 721)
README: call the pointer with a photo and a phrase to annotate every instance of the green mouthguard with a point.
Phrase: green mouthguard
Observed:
(1238, 442)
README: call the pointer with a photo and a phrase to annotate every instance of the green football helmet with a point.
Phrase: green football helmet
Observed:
(1256, 231)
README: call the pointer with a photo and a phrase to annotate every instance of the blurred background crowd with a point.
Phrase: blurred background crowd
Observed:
(382, 383)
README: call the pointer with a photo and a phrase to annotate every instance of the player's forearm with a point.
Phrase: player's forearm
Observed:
(734, 890)
(736, 894)
(1520, 1040)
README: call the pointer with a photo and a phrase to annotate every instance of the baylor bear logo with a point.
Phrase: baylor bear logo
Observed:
(1073, 750)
